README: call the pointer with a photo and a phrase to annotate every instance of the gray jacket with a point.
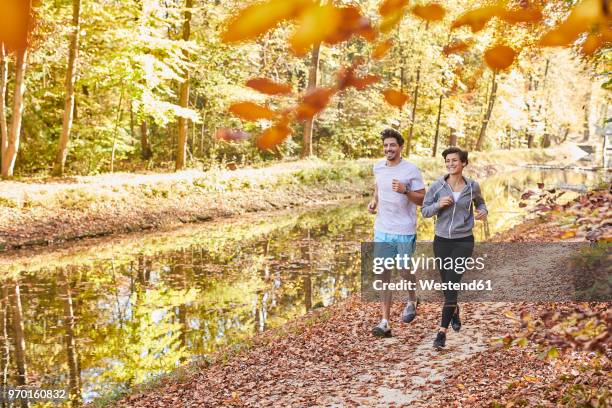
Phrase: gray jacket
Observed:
(457, 220)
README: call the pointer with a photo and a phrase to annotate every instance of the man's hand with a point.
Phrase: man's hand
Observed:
(372, 206)
(445, 202)
(481, 215)
(398, 187)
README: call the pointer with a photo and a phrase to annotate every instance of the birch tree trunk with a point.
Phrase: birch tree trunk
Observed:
(313, 74)
(9, 155)
(183, 123)
(3, 85)
(487, 117)
(62, 151)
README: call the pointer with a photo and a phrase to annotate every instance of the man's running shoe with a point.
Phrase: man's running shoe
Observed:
(382, 329)
(440, 340)
(410, 311)
(455, 321)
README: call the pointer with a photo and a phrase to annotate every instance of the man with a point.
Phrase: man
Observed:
(399, 189)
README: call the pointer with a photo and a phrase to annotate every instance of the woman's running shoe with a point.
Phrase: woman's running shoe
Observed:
(440, 340)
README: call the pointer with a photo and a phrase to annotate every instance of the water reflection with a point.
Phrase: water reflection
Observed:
(108, 324)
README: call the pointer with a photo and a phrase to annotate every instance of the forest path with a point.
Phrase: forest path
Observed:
(334, 361)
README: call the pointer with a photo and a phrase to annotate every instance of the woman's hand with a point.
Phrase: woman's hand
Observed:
(480, 215)
(372, 206)
(445, 202)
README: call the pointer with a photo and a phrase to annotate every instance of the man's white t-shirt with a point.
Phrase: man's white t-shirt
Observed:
(396, 214)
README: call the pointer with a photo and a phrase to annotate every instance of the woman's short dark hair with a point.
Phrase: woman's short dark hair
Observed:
(387, 133)
(463, 154)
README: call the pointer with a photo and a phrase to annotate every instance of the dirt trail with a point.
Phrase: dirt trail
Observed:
(336, 362)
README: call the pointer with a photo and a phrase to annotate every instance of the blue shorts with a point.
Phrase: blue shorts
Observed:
(390, 245)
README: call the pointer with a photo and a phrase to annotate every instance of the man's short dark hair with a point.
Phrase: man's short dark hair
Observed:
(463, 154)
(387, 133)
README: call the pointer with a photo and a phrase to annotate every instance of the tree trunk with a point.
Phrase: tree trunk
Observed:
(62, 151)
(145, 147)
(9, 155)
(452, 137)
(72, 353)
(587, 111)
(18, 331)
(415, 99)
(414, 106)
(436, 137)
(487, 117)
(5, 348)
(181, 148)
(313, 74)
(117, 123)
(3, 85)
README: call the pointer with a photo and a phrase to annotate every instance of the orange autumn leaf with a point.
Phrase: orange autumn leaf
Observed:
(353, 23)
(455, 48)
(381, 49)
(390, 21)
(477, 18)
(258, 18)
(528, 15)
(231, 135)
(251, 111)
(429, 12)
(499, 57)
(315, 25)
(314, 102)
(347, 78)
(592, 43)
(388, 7)
(273, 136)
(15, 22)
(268, 87)
(558, 37)
(586, 14)
(395, 98)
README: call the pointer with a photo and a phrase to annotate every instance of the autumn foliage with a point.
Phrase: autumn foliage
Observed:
(327, 23)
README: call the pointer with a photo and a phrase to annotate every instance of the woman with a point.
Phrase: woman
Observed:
(452, 199)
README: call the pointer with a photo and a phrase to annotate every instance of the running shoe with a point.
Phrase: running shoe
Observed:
(410, 311)
(455, 321)
(382, 329)
(440, 340)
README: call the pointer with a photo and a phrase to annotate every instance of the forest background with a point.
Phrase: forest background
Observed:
(147, 84)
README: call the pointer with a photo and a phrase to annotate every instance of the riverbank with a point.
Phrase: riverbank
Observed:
(43, 212)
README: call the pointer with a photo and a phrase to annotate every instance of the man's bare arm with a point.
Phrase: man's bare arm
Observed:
(416, 196)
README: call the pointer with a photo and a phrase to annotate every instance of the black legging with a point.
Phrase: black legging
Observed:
(451, 248)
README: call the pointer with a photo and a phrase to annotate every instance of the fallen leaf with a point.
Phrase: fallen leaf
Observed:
(389, 22)
(395, 98)
(353, 23)
(381, 49)
(314, 102)
(388, 7)
(429, 12)
(251, 111)
(273, 136)
(584, 16)
(231, 135)
(592, 43)
(528, 15)
(15, 22)
(268, 87)
(455, 48)
(499, 57)
(315, 25)
(258, 18)
(477, 18)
